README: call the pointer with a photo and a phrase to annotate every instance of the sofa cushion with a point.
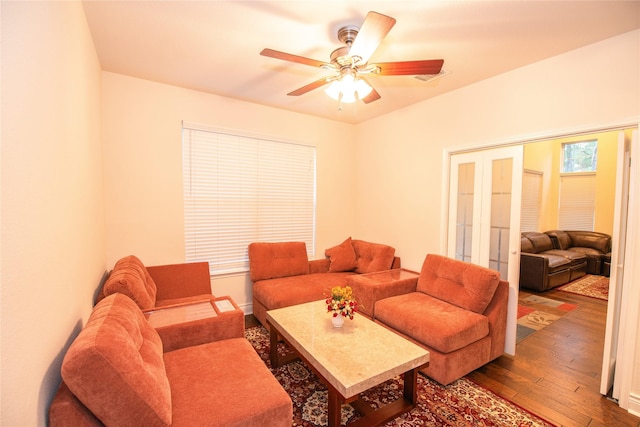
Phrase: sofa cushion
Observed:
(115, 366)
(591, 239)
(282, 259)
(433, 322)
(287, 291)
(130, 277)
(461, 283)
(372, 257)
(540, 241)
(225, 383)
(343, 257)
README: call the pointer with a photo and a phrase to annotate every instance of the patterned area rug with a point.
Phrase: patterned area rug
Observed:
(536, 312)
(589, 285)
(460, 404)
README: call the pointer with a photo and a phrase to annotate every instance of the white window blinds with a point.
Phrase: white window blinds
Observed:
(531, 199)
(577, 202)
(240, 189)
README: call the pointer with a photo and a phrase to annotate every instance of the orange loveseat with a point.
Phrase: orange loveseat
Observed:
(116, 373)
(160, 288)
(283, 275)
(456, 310)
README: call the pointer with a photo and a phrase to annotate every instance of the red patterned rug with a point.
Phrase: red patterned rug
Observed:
(589, 285)
(461, 404)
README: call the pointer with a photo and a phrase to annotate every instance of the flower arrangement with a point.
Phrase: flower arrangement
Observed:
(341, 302)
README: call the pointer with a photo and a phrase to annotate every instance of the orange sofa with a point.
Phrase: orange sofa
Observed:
(456, 310)
(164, 288)
(116, 373)
(283, 275)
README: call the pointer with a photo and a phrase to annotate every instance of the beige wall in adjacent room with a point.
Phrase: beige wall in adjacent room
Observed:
(143, 168)
(545, 156)
(53, 247)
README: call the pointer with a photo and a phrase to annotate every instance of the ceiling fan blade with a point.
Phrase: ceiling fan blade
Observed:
(292, 58)
(374, 28)
(404, 68)
(308, 88)
(373, 96)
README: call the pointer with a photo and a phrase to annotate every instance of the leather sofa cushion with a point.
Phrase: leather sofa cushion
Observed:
(599, 242)
(540, 241)
(587, 252)
(130, 277)
(287, 291)
(557, 262)
(526, 245)
(115, 366)
(372, 257)
(466, 285)
(589, 239)
(442, 326)
(575, 257)
(342, 257)
(271, 260)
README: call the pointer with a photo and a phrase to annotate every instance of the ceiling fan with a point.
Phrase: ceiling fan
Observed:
(349, 64)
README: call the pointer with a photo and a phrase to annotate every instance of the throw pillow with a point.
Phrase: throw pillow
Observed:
(372, 257)
(342, 257)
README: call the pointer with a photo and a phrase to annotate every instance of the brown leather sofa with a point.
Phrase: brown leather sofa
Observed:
(594, 245)
(542, 267)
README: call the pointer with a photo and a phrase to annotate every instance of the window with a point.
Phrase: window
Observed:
(531, 199)
(579, 156)
(577, 202)
(240, 189)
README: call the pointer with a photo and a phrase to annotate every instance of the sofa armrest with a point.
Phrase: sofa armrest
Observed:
(534, 270)
(368, 292)
(181, 280)
(177, 331)
(67, 410)
(319, 265)
(497, 314)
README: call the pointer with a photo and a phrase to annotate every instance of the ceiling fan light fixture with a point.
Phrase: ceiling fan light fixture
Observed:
(362, 88)
(334, 89)
(347, 87)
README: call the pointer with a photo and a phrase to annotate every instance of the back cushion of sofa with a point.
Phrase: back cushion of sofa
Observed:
(130, 277)
(562, 239)
(590, 239)
(465, 285)
(272, 260)
(540, 241)
(526, 246)
(115, 366)
(372, 257)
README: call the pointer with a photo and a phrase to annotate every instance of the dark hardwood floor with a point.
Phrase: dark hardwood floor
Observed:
(556, 371)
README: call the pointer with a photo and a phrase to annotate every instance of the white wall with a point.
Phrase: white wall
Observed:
(400, 155)
(143, 168)
(53, 247)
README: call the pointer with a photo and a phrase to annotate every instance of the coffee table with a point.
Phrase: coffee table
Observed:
(349, 360)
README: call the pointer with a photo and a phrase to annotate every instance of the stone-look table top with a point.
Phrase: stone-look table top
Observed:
(354, 358)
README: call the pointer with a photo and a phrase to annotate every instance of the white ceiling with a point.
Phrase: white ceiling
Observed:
(214, 46)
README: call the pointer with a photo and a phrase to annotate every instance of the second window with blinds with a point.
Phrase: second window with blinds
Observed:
(240, 189)
(578, 186)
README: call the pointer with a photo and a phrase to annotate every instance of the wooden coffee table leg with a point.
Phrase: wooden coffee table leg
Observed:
(273, 347)
(411, 386)
(335, 408)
